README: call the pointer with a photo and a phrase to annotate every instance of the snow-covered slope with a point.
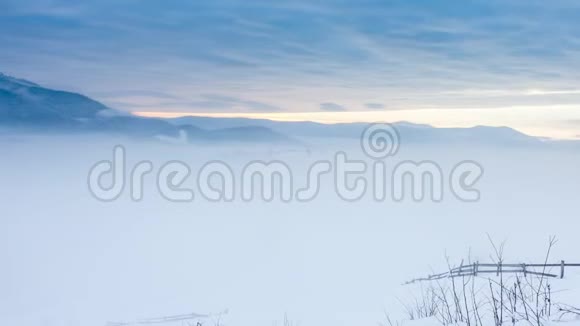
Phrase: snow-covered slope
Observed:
(26, 103)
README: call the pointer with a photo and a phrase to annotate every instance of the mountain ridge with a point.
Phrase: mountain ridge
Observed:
(29, 107)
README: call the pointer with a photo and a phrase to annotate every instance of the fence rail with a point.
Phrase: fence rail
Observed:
(161, 320)
(500, 268)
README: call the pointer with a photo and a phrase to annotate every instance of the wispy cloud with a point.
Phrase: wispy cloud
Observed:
(332, 107)
(292, 56)
(374, 106)
(114, 94)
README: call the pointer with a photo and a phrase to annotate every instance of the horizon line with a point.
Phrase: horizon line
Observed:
(436, 118)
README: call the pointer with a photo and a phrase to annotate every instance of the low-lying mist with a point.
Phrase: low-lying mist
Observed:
(71, 259)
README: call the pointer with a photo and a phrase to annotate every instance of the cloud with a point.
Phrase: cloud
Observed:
(374, 106)
(134, 93)
(271, 56)
(332, 107)
(144, 100)
(234, 102)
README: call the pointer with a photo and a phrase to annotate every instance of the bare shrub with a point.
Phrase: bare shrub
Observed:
(509, 296)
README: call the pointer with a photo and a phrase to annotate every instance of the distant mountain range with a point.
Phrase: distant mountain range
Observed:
(413, 133)
(28, 107)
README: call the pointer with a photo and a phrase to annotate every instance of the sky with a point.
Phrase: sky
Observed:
(446, 63)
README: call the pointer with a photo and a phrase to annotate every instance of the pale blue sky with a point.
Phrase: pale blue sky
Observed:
(279, 57)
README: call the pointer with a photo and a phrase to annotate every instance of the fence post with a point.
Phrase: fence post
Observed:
(562, 265)
(525, 270)
(498, 268)
(475, 268)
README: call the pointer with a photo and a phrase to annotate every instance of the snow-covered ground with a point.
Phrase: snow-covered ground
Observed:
(69, 259)
(433, 321)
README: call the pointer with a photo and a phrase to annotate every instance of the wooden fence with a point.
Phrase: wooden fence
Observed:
(477, 268)
(161, 320)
